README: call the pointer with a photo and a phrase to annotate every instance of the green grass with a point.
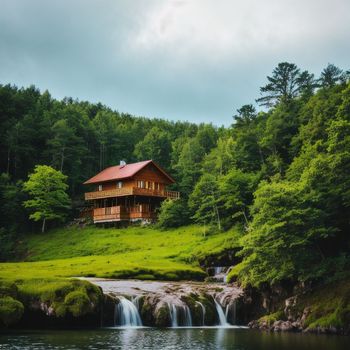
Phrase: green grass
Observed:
(134, 252)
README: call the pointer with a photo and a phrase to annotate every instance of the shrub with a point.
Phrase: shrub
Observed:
(11, 311)
(78, 303)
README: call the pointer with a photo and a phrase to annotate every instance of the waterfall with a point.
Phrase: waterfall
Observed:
(187, 316)
(220, 273)
(222, 317)
(173, 315)
(203, 312)
(218, 270)
(127, 314)
(180, 315)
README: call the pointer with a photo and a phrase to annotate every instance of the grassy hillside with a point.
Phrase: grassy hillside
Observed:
(134, 252)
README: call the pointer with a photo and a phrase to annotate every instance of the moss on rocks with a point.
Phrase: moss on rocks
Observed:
(78, 303)
(162, 317)
(11, 311)
(211, 317)
(271, 318)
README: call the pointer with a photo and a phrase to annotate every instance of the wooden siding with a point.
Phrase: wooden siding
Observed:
(111, 185)
(120, 213)
(151, 173)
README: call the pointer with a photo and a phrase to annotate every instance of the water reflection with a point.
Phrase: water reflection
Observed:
(168, 339)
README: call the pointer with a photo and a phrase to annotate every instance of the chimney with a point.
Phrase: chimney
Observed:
(122, 163)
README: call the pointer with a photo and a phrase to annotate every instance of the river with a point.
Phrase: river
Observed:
(168, 339)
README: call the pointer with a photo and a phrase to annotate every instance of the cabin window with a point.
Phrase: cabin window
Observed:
(119, 184)
(157, 186)
(100, 187)
(140, 184)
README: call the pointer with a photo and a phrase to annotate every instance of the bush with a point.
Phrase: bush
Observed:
(11, 311)
(78, 303)
(173, 213)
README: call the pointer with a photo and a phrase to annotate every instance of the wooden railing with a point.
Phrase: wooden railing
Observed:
(118, 213)
(172, 194)
(118, 192)
(108, 193)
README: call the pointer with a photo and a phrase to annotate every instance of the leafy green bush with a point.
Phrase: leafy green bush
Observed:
(78, 303)
(173, 213)
(11, 311)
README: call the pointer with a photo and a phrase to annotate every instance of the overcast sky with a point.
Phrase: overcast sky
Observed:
(196, 60)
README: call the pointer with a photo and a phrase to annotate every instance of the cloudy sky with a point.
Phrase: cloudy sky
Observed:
(196, 60)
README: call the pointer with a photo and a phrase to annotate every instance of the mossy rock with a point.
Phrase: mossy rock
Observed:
(146, 312)
(211, 317)
(11, 311)
(162, 317)
(78, 303)
(271, 318)
(196, 310)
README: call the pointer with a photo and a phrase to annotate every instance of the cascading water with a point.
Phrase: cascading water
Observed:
(187, 316)
(180, 315)
(203, 312)
(127, 314)
(220, 273)
(173, 315)
(220, 311)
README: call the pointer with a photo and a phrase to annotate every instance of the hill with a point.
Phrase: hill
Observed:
(134, 252)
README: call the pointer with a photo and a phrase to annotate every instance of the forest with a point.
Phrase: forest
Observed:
(279, 175)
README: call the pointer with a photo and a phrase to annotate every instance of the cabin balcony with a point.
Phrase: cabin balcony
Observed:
(119, 192)
(121, 213)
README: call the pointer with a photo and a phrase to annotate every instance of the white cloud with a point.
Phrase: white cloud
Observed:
(237, 28)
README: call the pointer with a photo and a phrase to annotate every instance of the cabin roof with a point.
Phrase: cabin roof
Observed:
(120, 172)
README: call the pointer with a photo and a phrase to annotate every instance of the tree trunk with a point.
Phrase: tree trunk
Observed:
(43, 226)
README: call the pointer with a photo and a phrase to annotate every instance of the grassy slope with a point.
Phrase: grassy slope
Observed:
(137, 252)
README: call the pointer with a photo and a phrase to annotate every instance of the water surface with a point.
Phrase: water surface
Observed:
(168, 339)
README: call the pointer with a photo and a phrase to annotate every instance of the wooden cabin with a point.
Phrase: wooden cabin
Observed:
(129, 192)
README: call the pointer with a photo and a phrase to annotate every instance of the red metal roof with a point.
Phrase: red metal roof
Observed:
(119, 172)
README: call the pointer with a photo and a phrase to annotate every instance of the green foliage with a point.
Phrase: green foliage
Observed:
(203, 201)
(286, 83)
(11, 311)
(78, 303)
(284, 234)
(156, 146)
(331, 76)
(173, 213)
(271, 318)
(47, 188)
(236, 194)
